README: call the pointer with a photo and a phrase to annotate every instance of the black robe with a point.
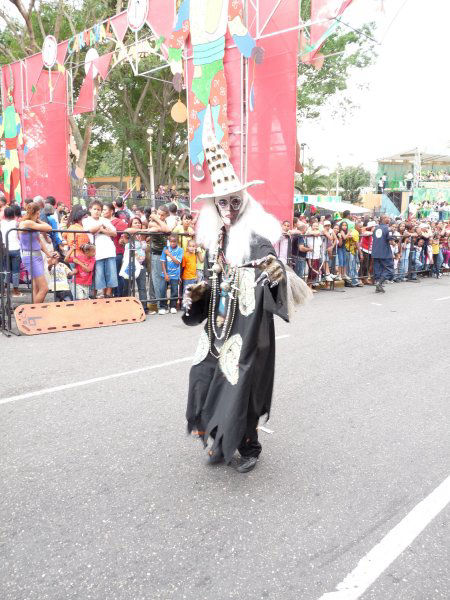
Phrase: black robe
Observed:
(226, 393)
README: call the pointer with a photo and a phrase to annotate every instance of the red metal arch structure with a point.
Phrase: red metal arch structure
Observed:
(261, 102)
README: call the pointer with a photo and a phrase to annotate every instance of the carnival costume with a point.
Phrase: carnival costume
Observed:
(231, 380)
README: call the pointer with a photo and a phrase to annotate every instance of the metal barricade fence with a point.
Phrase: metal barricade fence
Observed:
(324, 263)
(338, 262)
(153, 295)
(317, 264)
(71, 294)
(3, 276)
(32, 252)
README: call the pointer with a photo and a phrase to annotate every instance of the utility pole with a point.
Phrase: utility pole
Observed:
(302, 159)
(150, 167)
(337, 178)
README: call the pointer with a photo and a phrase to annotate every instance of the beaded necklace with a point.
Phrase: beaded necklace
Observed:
(223, 299)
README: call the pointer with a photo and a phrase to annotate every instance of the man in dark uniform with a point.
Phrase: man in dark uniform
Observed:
(383, 261)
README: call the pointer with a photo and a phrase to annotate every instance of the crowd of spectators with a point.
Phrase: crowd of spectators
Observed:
(323, 250)
(432, 211)
(109, 250)
(104, 251)
(435, 176)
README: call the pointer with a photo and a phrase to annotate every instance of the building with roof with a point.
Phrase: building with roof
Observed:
(433, 167)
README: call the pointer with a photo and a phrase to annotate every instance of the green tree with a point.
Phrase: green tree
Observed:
(312, 180)
(317, 87)
(24, 35)
(351, 180)
(127, 105)
(130, 105)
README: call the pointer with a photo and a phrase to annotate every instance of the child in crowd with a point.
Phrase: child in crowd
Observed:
(57, 279)
(445, 251)
(84, 268)
(436, 250)
(186, 229)
(420, 256)
(200, 263)
(171, 259)
(140, 271)
(189, 265)
(395, 254)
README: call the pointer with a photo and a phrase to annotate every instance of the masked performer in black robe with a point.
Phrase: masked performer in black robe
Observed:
(231, 381)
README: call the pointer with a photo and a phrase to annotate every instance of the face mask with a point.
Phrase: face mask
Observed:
(229, 208)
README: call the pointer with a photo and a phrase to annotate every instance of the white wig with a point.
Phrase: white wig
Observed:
(253, 220)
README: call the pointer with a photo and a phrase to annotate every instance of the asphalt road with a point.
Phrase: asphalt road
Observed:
(104, 497)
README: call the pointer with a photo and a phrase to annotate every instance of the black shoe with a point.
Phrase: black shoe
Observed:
(248, 463)
(379, 289)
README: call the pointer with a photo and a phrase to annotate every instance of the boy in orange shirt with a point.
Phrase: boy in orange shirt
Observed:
(189, 264)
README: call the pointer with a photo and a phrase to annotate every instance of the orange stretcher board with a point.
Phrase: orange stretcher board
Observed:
(34, 319)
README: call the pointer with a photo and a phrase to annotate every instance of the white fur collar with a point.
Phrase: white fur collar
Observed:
(253, 221)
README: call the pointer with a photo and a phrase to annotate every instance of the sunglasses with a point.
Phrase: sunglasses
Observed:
(234, 203)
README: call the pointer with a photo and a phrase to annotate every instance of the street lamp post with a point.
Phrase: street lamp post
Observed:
(150, 166)
(302, 160)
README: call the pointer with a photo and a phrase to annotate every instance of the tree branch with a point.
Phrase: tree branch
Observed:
(127, 103)
(59, 18)
(13, 25)
(86, 141)
(41, 24)
(26, 16)
(8, 52)
(141, 101)
(140, 169)
(169, 152)
(76, 132)
(69, 20)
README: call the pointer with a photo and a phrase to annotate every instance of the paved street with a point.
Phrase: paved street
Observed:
(104, 497)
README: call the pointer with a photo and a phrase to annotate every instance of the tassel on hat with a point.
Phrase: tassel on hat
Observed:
(223, 177)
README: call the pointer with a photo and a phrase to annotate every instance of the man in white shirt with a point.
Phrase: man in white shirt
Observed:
(409, 180)
(101, 234)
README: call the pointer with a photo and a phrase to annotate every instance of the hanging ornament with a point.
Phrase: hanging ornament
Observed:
(49, 51)
(79, 172)
(89, 62)
(225, 286)
(179, 112)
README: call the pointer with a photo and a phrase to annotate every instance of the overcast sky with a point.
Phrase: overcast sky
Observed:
(407, 102)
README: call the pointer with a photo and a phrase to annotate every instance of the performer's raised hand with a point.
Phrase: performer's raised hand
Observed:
(258, 55)
(272, 270)
(177, 82)
(193, 293)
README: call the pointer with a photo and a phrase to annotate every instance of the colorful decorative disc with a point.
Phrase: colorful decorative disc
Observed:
(137, 14)
(49, 51)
